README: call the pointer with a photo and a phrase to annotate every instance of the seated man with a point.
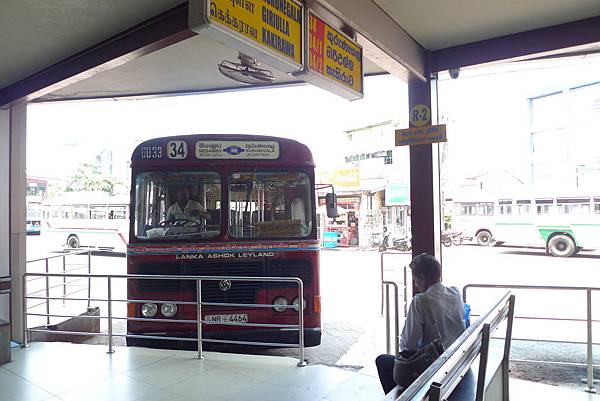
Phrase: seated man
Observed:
(186, 208)
(446, 305)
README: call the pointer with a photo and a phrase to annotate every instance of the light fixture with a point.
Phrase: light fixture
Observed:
(246, 71)
(149, 310)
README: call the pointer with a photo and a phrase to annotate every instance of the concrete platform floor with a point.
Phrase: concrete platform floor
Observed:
(73, 372)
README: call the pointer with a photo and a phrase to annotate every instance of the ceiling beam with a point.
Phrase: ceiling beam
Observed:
(539, 42)
(378, 33)
(154, 34)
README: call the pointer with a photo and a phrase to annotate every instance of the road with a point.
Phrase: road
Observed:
(353, 330)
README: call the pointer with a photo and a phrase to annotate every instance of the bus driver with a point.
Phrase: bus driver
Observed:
(185, 208)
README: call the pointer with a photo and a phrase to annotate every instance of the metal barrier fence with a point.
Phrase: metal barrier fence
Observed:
(589, 358)
(109, 300)
(66, 268)
(388, 345)
(404, 285)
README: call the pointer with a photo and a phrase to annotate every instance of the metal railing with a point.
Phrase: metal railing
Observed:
(404, 285)
(388, 343)
(199, 322)
(66, 268)
(589, 342)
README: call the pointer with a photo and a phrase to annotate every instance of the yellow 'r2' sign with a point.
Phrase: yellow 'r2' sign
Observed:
(420, 115)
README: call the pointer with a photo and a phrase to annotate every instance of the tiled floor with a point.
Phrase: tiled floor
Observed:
(73, 372)
(70, 372)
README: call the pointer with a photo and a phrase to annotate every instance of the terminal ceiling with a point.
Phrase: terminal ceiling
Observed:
(35, 35)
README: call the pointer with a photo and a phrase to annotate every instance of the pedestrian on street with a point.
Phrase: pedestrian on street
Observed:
(436, 311)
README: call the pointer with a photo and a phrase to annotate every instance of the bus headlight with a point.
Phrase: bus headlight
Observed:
(168, 310)
(296, 303)
(149, 310)
(280, 304)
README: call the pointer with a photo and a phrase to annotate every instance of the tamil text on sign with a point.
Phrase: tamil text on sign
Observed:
(334, 60)
(269, 30)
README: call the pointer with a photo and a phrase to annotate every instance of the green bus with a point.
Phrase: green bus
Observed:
(564, 225)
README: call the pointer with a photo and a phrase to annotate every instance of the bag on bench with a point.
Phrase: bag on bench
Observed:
(408, 368)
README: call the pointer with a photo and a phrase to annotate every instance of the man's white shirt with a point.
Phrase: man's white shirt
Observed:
(176, 213)
(447, 307)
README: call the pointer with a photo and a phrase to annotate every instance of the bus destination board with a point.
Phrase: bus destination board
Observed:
(270, 31)
(265, 150)
(335, 61)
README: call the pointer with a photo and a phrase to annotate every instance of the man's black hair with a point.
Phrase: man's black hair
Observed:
(427, 266)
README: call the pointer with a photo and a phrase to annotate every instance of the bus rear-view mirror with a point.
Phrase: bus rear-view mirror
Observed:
(331, 205)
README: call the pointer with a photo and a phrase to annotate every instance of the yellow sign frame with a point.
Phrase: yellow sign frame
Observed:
(421, 135)
(340, 66)
(270, 33)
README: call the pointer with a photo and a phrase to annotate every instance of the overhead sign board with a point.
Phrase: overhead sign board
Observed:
(270, 31)
(421, 135)
(334, 60)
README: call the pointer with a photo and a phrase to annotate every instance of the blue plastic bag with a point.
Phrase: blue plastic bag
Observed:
(467, 315)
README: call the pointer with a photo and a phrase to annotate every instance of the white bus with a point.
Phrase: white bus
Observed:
(563, 224)
(87, 219)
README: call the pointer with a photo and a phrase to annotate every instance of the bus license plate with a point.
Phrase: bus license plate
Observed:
(234, 318)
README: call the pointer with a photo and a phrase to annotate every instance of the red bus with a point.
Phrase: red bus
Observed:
(223, 205)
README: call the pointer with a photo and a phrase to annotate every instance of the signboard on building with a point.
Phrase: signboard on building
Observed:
(271, 31)
(397, 195)
(421, 135)
(334, 60)
(344, 178)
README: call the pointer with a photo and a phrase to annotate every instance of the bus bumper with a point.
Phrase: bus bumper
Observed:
(312, 338)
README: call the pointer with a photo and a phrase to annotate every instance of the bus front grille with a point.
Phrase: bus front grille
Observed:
(212, 291)
(160, 269)
(240, 291)
(290, 268)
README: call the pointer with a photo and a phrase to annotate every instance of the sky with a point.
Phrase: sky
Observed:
(486, 111)
(303, 112)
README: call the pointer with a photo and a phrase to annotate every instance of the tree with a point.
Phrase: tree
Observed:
(88, 178)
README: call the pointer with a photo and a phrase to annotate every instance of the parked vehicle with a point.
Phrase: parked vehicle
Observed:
(564, 224)
(457, 237)
(446, 239)
(399, 244)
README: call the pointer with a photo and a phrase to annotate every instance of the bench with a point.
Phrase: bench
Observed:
(471, 369)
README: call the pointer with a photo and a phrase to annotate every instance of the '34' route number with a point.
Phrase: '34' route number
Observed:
(177, 150)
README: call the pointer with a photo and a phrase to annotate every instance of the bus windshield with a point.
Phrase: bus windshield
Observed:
(177, 205)
(269, 204)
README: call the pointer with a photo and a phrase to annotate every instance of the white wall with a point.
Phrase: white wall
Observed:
(4, 215)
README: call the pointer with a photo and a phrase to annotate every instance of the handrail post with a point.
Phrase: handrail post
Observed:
(388, 342)
(199, 317)
(590, 369)
(382, 253)
(302, 362)
(47, 295)
(89, 252)
(397, 323)
(387, 320)
(405, 293)
(109, 307)
(483, 359)
(64, 270)
(24, 343)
